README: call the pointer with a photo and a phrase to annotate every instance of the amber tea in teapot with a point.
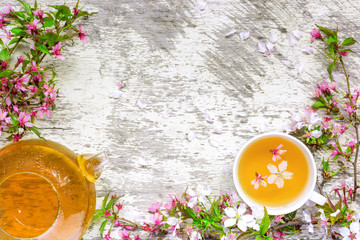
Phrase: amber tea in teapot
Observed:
(46, 191)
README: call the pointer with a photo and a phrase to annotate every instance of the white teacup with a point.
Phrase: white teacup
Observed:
(307, 194)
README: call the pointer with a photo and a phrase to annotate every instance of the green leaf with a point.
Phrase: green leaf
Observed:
(14, 40)
(325, 164)
(331, 39)
(35, 130)
(318, 105)
(17, 30)
(5, 73)
(105, 201)
(102, 227)
(19, 14)
(42, 48)
(347, 50)
(348, 42)
(4, 55)
(331, 49)
(97, 216)
(15, 122)
(63, 11)
(327, 31)
(258, 237)
(35, 5)
(48, 22)
(292, 215)
(265, 223)
(27, 7)
(111, 202)
(330, 68)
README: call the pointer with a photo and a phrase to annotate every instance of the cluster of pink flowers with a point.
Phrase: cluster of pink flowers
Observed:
(27, 93)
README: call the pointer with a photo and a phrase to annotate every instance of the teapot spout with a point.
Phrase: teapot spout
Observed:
(92, 165)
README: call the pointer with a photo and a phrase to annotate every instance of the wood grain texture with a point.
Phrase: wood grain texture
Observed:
(178, 59)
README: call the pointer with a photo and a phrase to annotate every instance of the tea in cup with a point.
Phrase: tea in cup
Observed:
(277, 171)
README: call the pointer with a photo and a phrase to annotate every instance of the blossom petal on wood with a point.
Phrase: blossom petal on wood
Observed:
(214, 142)
(208, 116)
(244, 35)
(217, 127)
(287, 63)
(324, 73)
(300, 67)
(232, 32)
(191, 135)
(272, 37)
(200, 6)
(309, 50)
(166, 113)
(262, 47)
(141, 103)
(292, 40)
(338, 76)
(115, 94)
(297, 33)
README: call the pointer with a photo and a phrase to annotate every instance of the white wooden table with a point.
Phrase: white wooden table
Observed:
(178, 60)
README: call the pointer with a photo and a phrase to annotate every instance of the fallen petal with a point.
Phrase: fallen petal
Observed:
(262, 47)
(142, 103)
(214, 142)
(232, 32)
(272, 37)
(191, 135)
(287, 63)
(292, 41)
(308, 50)
(120, 84)
(115, 94)
(166, 113)
(200, 6)
(244, 35)
(208, 116)
(217, 127)
(300, 67)
(270, 46)
(297, 34)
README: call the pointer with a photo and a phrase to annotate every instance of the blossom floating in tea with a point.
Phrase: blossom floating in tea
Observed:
(277, 153)
(259, 180)
(278, 176)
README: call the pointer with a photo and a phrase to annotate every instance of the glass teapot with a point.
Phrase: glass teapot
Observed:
(46, 190)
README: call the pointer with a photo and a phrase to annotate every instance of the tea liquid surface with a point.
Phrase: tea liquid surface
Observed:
(256, 159)
(43, 194)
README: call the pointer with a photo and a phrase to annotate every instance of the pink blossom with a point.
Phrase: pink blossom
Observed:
(56, 51)
(20, 60)
(8, 101)
(39, 14)
(315, 34)
(157, 219)
(24, 119)
(277, 152)
(259, 180)
(16, 108)
(32, 27)
(349, 109)
(32, 46)
(33, 89)
(155, 207)
(3, 115)
(43, 110)
(76, 12)
(119, 206)
(124, 234)
(107, 213)
(18, 84)
(117, 223)
(136, 237)
(7, 36)
(335, 151)
(344, 53)
(81, 35)
(8, 9)
(107, 236)
(351, 145)
(334, 103)
(317, 92)
(50, 91)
